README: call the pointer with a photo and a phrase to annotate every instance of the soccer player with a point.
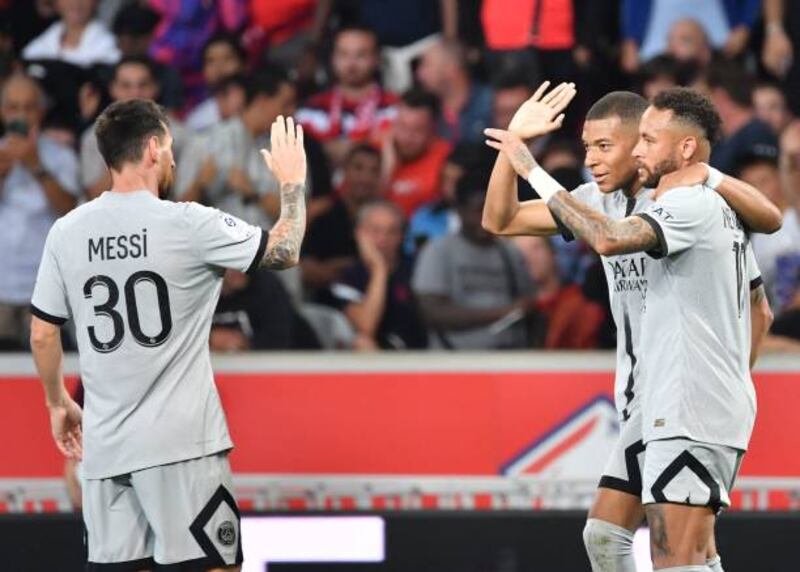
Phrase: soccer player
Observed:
(698, 402)
(140, 277)
(610, 133)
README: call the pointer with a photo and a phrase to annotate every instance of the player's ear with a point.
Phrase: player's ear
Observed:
(689, 146)
(153, 149)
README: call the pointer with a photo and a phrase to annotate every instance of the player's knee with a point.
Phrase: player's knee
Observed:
(610, 547)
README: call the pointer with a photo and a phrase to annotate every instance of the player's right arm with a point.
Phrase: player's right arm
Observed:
(287, 161)
(503, 213)
(49, 311)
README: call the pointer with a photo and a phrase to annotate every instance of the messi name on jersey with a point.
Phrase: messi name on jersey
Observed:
(118, 247)
(628, 272)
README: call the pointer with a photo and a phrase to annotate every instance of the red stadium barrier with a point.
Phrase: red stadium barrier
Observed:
(460, 433)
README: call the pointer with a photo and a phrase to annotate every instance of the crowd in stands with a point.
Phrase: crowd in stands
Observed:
(394, 96)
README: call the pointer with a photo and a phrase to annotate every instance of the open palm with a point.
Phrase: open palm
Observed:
(541, 114)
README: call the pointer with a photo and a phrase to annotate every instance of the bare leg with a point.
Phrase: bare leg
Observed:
(679, 535)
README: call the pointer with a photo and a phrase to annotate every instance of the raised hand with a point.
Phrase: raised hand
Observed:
(514, 148)
(287, 156)
(541, 114)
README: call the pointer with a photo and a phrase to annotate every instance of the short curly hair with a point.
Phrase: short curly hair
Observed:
(691, 107)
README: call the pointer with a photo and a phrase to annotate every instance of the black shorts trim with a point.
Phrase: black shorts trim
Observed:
(756, 282)
(662, 249)
(688, 461)
(633, 485)
(221, 496)
(262, 246)
(196, 565)
(621, 485)
(42, 315)
(129, 566)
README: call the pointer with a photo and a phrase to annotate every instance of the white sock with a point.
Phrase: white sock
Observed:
(715, 564)
(610, 547)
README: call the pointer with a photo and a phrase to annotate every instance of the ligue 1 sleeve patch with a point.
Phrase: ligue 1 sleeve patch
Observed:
(235, 228)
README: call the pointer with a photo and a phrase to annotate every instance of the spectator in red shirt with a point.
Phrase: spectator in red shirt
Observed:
(413, 156)
(573, 321)
(356, 108)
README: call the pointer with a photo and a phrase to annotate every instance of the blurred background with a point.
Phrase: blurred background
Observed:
(381, 377)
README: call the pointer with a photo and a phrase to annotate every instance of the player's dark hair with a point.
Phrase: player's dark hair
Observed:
(362, 149)
(417, 98)
(267, 80)
(692, 107)
(125, 126)
(733, 80)
(626, 105)
(228, 39)
(357, 29)
(143, 61)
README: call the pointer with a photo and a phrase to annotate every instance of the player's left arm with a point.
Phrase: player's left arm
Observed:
(755, 209)
(761, 319)
(287, 161)
(605, 235)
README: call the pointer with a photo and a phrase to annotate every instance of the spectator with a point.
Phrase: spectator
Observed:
(647, 23)
(473, 288)
(688, 43)
(255, 312)
(75, 38)
(185, 29)
(330, 244)
(466, 105)
(570, 320)
(659, 74)
(133, 78)
(771, 106)
(223, 57)
(743, 134)
(39, 181)
(413, 156)
(546, 38)
(224, 168)
(281, 29)
(405, 29)
(134, 27)
(375, 292)
(438, 218)
(777, 54)
(778, 254)
(356, 108)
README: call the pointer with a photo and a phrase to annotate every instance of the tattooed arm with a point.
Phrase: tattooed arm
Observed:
(606, 236)
(285, 238)
(287, 161)
(760, 321)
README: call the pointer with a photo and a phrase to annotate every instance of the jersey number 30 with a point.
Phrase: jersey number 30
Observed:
(108, 309)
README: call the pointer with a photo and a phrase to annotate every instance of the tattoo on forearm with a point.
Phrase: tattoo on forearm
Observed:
(286, 237)
(523, 157)
(631, 234)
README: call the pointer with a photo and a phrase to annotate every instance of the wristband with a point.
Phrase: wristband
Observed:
(545, 185)
(714, 179)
